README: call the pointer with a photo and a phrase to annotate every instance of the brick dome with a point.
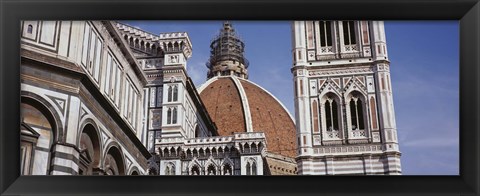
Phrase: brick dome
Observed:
(238, 105)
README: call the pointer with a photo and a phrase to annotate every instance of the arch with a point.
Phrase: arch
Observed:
(137, 42)
(176, 46)
(148, 47)
(130, 42)
(197, 131)
(36, 120)
(48, 110)
(356, 110)
(154, 48)
(30, 29)
(142, 45)
(169, 93)
(169, 116)
(211, 169)
(174, 115)
(331, 104)
(134, 171)
(113, 161)
(175, 93)
(195, 170)
(169, 168)
(89, 144)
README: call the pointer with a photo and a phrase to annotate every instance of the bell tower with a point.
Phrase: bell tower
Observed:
(226, 54)
(343, 99)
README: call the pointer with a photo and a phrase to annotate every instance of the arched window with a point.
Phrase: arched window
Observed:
(325, 33)
(29, 29)
(169, 94)
(349, 33)
(254, 168)
(195, 170)
(331, 113)
(170, 169)
(175, 93)
(114, 162)
(174, 116)
(169, 116)
(248, 169)
(89, 150)
(197, 131)
(35, 115)
(211, 170)
(227, 169)
(356, 114)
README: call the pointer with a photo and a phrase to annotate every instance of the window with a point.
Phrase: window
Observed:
(227, 169)
(172, 93)
(170, 90)
(349, 33)
(356, 114)
(86, 38)
(195, 170)
(174, 116)
(170, 169)
(331, 115)
(251, 167)
(374, 113)
(325, 33)
(211, 170)
(107, 74)
(98, 53)
(29, 29)
(175, 93)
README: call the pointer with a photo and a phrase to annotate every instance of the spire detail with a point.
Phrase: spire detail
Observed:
(227, 54)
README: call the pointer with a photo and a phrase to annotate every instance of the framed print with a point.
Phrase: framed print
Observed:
(87, 89)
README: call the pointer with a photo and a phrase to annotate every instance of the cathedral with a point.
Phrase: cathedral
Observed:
(106, 98)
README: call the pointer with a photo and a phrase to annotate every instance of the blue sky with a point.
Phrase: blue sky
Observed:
(424, 59)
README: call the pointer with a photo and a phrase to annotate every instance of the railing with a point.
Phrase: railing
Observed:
(332, 135)
(347, 149)
(359, 134)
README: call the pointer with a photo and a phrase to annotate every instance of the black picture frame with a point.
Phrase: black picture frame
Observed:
(466, 11)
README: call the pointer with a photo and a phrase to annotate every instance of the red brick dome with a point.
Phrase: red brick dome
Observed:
(239, 105)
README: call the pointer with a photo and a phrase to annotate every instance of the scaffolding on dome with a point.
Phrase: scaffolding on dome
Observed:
(227, 46)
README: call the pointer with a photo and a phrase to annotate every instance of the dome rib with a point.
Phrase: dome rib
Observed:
(245, 105)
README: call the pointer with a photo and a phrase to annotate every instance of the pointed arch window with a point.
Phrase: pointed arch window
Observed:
(169, 116)
(195, 170)
(227, 169)
(248, 169)
(331, 113)
(356, 114)
(174, 116)
(172, 93)
(349, 33)
(175, 93)
(170, 169)
(254, 169)
(170, 90)
(29, 29)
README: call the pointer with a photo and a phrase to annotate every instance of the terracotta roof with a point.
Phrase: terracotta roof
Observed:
(225, 98)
